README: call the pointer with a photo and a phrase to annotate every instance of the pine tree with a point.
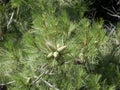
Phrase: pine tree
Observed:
(58, 52)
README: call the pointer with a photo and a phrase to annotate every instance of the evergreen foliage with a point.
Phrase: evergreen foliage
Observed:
(50, 45)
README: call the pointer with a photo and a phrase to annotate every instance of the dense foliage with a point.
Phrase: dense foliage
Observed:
(52, 45)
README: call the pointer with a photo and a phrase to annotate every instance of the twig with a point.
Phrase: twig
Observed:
(118, 2)
(108, 10)
(38, 78)
(114, 9)
(50, 85)
(112, 13)
(10, 19)
(7, 83)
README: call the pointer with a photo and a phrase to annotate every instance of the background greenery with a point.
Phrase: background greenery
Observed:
(57, 45)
